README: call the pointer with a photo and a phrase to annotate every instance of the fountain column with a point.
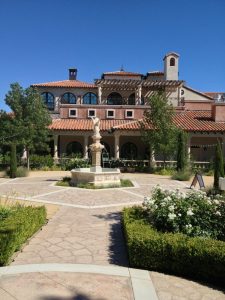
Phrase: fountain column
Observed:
(96, 147)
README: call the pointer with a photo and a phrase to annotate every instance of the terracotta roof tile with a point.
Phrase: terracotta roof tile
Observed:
(66, 83)
(122, 73)
(187, 120)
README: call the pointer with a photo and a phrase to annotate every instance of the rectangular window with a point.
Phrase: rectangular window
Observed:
(129, 114)
(91, 113)
(110, 113)
(72, 113)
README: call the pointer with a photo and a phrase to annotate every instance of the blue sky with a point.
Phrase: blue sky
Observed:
(41, 39)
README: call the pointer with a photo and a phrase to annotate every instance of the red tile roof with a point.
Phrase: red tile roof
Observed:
(66, 84)
(187, 120)
(122, 73)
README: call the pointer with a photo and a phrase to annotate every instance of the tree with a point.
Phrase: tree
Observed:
(181, 151)
(218, 165)
(158, 130)
(29, 119)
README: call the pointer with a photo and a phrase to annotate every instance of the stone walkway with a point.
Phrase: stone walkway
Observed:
(87, 230)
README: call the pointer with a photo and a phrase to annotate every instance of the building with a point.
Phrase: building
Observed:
(119, 100)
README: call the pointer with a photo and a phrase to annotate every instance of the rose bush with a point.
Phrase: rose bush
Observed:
(193, 213)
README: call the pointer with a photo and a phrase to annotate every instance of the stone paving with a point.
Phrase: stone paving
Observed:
(93, 234)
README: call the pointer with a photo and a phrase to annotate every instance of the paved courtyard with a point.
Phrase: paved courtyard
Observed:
(86, 230)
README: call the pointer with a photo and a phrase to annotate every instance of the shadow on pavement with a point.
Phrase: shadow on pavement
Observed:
(78, 296)
(117, 248)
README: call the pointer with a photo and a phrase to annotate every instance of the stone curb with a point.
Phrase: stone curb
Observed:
(143, 288)
(73, 205)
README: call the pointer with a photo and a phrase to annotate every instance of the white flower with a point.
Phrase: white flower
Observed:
(171, 207)
(190, 212)
(171, 216)
(188, 226)
(179, 215)
(218, 213)
(216, 202)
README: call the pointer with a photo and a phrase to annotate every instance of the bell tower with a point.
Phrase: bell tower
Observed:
(171, 64)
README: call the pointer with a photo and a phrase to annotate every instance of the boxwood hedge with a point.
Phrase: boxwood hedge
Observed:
(178, 254)
(21, 224)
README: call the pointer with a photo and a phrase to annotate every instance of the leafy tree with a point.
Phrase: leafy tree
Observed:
(158, 130)
(29, 119)
(181, 150)
(13, 161)
(218, 165)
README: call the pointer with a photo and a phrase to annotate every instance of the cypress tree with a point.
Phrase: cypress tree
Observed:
(13, 161)
(181, 151)
(218, 165)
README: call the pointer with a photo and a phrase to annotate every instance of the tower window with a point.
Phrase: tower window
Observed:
(172, 62)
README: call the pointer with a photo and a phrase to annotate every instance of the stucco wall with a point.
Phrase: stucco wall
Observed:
(101, 111)
(218, 112)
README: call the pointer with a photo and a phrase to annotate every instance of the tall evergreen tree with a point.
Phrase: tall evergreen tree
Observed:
(157, 128)
(181, 151)
(218, 165)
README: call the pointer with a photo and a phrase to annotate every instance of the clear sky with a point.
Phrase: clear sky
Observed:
(41, 39)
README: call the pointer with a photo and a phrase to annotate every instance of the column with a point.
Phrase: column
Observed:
(117, 146)
(24, 156)
(138, 95)
(85, 147)
(56, 137)
(99, 95)
(189, 148)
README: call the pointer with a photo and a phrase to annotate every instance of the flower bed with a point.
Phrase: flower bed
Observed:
(176, 233)
(194, 213)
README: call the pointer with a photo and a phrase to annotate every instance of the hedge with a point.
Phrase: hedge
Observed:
(178, 254)
(21, 224)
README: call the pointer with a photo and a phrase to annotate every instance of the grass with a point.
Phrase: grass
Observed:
(66, 182)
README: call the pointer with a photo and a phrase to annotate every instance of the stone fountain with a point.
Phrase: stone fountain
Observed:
(96, 175)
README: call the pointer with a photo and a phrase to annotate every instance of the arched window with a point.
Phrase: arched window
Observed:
(90, 98)
(131, 99)
(172, 62)
(129, 151)
(107, 147)
(74, 148)
(114, 99)
(48, 99)
(68, 98)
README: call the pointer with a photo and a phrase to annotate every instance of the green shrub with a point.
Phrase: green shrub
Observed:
(182, 175)
(218, 165)
(73, 163)
(22, 172)
(39, 162)
(192, 213)
(17, 227)
(164, 172)
(177, 254)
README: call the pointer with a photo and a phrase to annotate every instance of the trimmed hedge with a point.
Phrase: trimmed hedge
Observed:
(178, 254)
(21, 224)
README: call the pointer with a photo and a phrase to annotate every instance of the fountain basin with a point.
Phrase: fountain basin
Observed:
(96, 175)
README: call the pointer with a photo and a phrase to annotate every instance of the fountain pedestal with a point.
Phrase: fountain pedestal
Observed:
(96, 175)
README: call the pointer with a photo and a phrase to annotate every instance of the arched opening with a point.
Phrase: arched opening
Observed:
(90, 98)
(48, 99)
(172, 62)
(68, 98)
(114, 99)
(107, 147)
(131, 99)
(74, 148)
(129, 151)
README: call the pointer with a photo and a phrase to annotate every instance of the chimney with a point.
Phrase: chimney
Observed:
(72, 74)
